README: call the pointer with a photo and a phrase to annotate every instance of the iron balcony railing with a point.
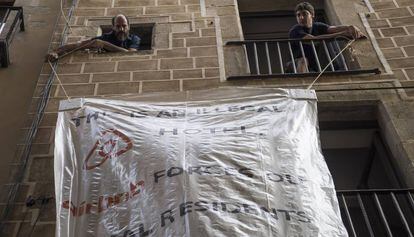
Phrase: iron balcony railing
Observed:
(280, 57)
(378, 212)
(11, 18)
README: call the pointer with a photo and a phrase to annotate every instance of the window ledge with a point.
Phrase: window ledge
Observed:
(308, 74)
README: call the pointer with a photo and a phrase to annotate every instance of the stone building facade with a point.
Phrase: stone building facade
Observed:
(189, 51)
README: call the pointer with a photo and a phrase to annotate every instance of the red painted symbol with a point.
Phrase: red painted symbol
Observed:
(112, 144)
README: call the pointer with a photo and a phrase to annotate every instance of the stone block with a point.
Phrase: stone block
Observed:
(171, 53)
(200, 24)
(167, 2)
(48, 120)
(404, 3)
(69, 68)
(129, 11)
(193, 73)
(226, 10)
(43, 135)
(8, 228)
(89, 12)
(37, 149)
(134, 3)
(409, 50)
(393, 53)
(385, 43)
(383, 5)
(158, 86)
(402, 21)
(80, 21)
(212, 72)
(208, 32)
(200, 41)
(111, 77)
(181, 17)
(177, 43)
(396, 12)
(21, 192)
(80, 57)
(118, 88)
(41, 229)
(186, 34)
(410, 29)
(137, 65)
(404, 40)
(376, 33)
(389, 32)
(94, 3)
(38, 167)
(220, 3)
(73, 78)
(151, 75)
(199, 84)
(76, 90)
(187, 2)
(177, 63)
(161, 41)
(409, 91)
(99, 67)
(180, 27)
(164, 9)
(203, 51)
(378, 23)
(193, 8)
(410, 73)
(399, 74)
(206, 62)
(229, 28)
(401, 62)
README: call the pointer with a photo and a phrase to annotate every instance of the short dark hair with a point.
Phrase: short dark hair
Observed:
(305, 6)
(114, 18)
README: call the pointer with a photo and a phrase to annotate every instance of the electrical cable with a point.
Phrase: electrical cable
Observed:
(64, 17)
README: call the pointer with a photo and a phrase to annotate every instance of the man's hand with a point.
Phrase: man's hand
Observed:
(355, 33)
(52, 57)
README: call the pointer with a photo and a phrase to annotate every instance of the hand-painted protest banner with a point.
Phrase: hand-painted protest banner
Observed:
(233, 162)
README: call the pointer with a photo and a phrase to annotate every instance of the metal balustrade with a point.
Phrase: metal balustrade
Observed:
(10, 19)
(273, 58)
(386, 212)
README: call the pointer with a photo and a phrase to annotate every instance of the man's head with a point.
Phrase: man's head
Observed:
(304, 14)
(120, 25)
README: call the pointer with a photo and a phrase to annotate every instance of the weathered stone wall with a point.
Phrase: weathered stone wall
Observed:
(393, 26)
(189, 53)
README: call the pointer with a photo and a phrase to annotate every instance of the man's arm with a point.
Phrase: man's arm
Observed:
(335, 31)
(87, 44)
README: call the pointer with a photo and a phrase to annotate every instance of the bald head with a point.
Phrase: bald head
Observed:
(120, 25)
(119, 16)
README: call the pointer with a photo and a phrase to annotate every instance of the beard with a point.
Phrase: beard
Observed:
(121, 36)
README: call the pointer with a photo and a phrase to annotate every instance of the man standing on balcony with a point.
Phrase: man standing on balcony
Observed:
(308, 29)
(118, 40)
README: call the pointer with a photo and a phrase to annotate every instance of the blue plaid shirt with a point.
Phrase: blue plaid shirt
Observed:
(132, 41)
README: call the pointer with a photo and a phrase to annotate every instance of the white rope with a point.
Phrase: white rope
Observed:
(320, 74)
(57, 77)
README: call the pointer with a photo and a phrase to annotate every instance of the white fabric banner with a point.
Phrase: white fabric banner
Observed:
(228, 162)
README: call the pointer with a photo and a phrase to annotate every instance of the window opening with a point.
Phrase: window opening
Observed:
(144, 31)
(270, 52)
(372, 197)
